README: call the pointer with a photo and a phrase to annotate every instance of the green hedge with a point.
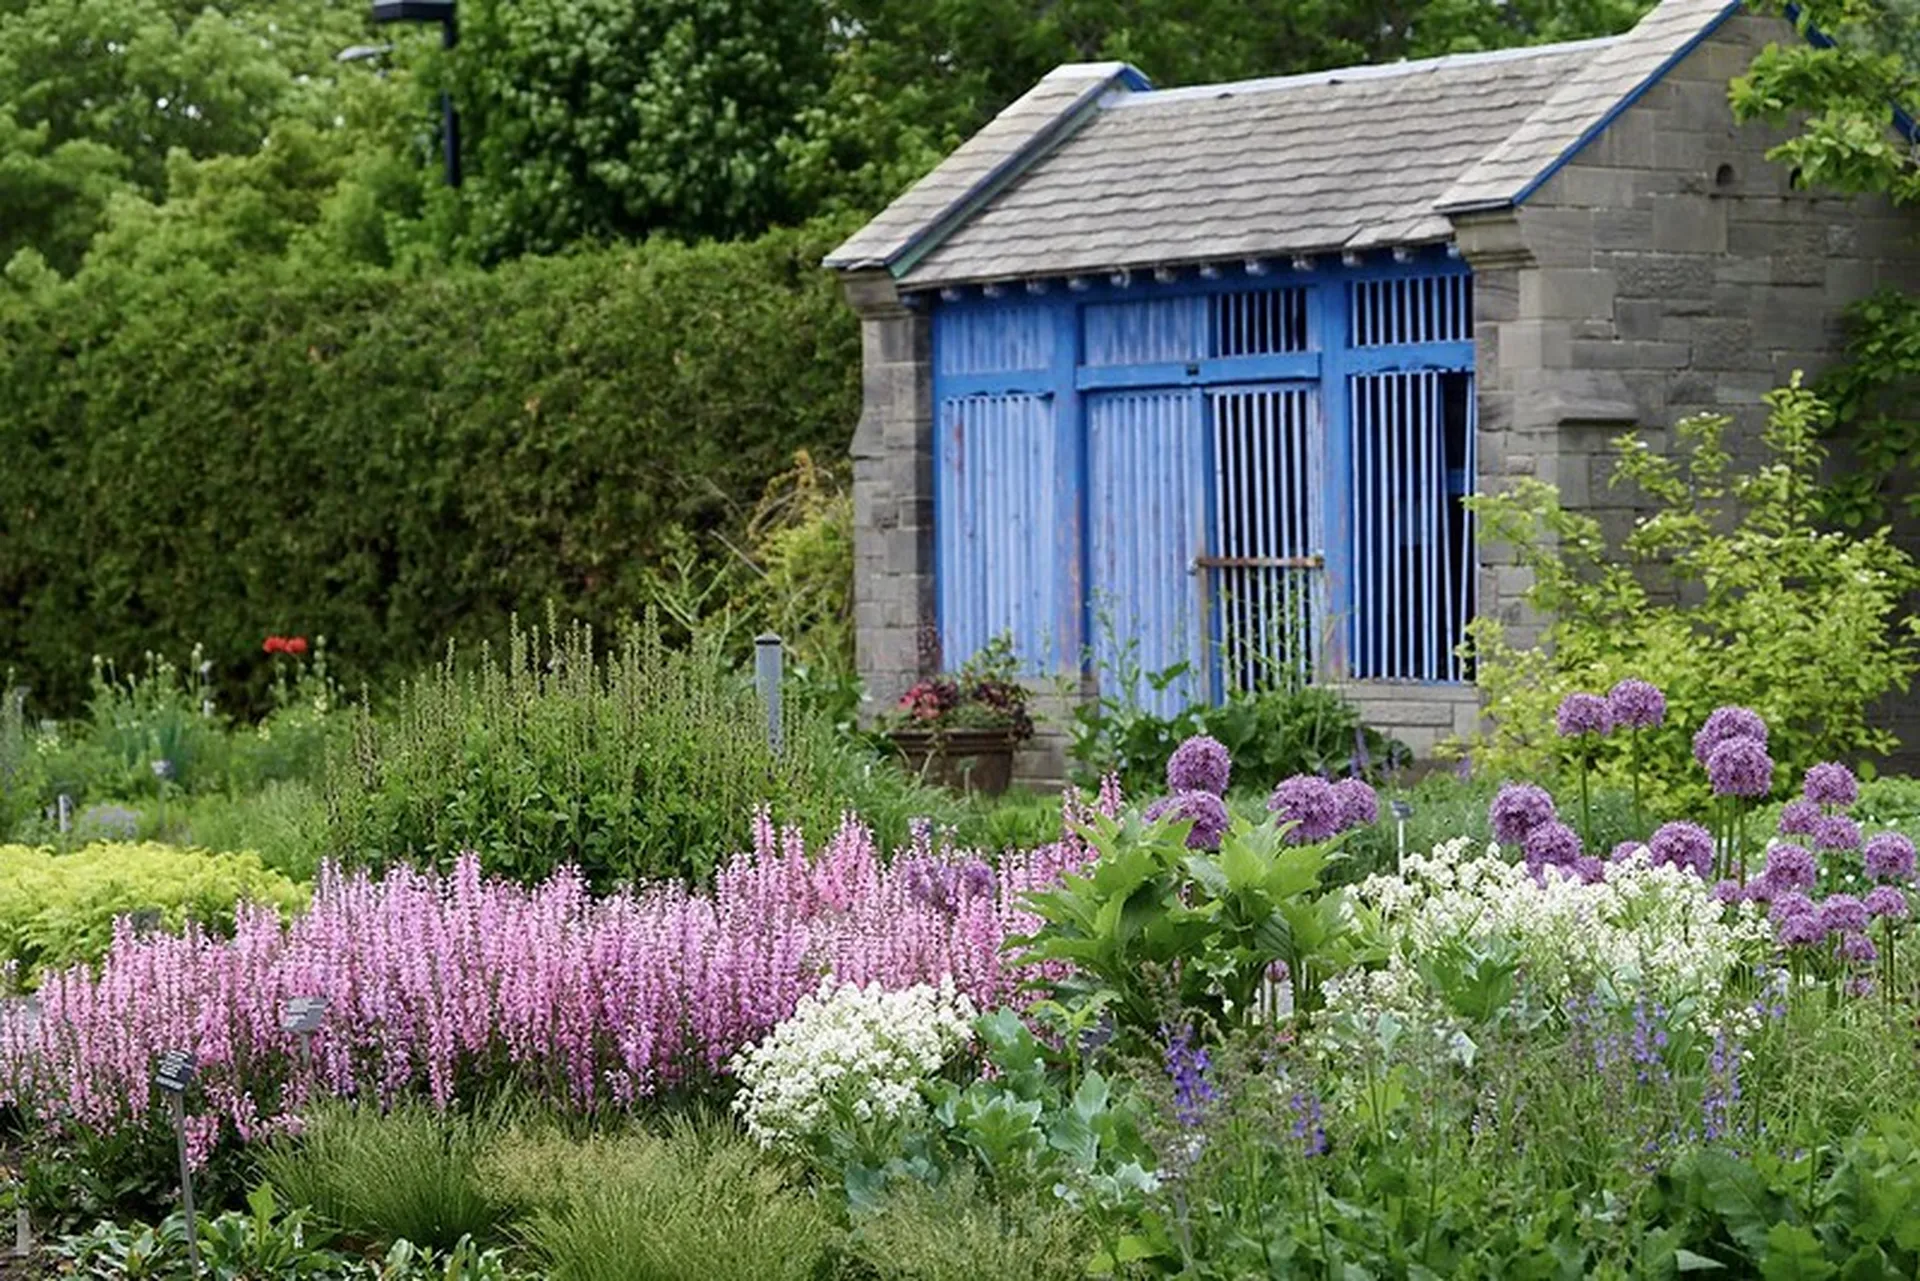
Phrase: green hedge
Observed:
(391, 461)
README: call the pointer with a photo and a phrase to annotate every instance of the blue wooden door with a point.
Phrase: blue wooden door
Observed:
(1148, 501)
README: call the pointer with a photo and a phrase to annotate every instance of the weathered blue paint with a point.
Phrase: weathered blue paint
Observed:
(1104, 448)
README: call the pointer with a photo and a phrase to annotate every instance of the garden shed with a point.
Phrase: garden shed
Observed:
(1200, 377)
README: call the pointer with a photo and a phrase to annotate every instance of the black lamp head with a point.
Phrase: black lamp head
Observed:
(412, 10)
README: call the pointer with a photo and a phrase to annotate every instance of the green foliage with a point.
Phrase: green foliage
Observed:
(597, 121)
(697, 1200)
(1151, 926)
(642, 762)
(56, 909)
(261, 1242)
(390, 460)
(1271, 734)
(1727, 592)
(1839, 97)
(408, 1174)
(957, 1233)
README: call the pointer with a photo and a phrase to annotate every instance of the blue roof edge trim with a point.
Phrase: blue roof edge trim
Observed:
(908, 256)
(1903, 120)
(1619, 108)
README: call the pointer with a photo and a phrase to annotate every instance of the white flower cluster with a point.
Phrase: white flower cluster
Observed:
(1646, 931)
(849, 1054)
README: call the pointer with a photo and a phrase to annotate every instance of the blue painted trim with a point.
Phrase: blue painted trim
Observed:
(1449, 357)
(1331, 326)
(1902, 120)
(1069, 424)
(1302, 366)
(1032, 382)
(1614, 112)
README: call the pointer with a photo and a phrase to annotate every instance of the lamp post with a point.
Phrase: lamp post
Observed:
(440, 11)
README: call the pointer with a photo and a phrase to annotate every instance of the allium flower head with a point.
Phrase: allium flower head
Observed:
(1791, 903)
(1359, 803)
(1201, 764)
(1687, 846)
(1582, 714)
(1832, 784)
(1884, 900)
(1856, 948)
(1636, 704)
(1728, 723)
(1517, 809)
(1626, 850)
(1801, 929)
(1308, 803)
(1836, 832)
(1552, 844)
(1840, 912)
(1728, 891)
(1798, 817)
(1589, 869)
(1790, 867)
(1889, 857)
(1207, 813)
(1740, 767)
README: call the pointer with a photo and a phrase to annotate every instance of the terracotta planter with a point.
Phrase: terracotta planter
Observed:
(966, 760)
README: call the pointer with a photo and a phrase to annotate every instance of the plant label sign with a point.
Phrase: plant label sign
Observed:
(176, 1072)
(303, 1014)
(1402, 811)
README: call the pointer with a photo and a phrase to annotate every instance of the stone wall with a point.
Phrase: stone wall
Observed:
(896, 639)
(1670, 269)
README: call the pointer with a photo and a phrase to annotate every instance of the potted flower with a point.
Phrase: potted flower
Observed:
(960, 729)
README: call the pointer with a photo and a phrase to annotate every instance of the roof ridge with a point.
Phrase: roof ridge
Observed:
(1358, 71)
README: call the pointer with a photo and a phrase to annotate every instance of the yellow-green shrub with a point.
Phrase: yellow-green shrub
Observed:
(56, 909)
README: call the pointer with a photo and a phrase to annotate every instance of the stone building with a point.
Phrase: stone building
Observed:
(1197, 378)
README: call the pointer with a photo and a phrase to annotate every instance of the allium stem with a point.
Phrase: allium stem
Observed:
(1586, 803)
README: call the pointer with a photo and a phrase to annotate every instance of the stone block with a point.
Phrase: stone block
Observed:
(1848, 280)
(1663, 276)
(1534, 344)
(1627, 143)
(1561, 293)
(1723, 344)
(1630, 355)
(1681, 148)
(1689, 225)
(1587, 186)
(1622, 229)
(1638, 319)
(1558, 236)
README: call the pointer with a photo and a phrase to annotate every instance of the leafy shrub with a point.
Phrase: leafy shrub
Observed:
(1271, 735)
(388, 458)
(56, 909)
(698, 1200)
(406, 1174)
(1726, 593)
(641, 763)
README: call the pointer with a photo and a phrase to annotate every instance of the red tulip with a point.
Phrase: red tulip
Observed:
(275, 645)
(297, 645)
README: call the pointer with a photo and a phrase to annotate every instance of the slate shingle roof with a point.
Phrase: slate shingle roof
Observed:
(1090, 172)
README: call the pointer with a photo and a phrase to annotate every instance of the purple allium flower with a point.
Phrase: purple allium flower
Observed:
(1801, 929)
(1687, 846)
(1797, 818)
(1740, 767)
(1790, 867)
(1791, 903)
(1207, 813)
(1308, 803)
(1517, 809)
(1582, 714)
(1884, 900)
(1728, 723)
(1839, 912)
(1836, 832)
(1728, 891)
(1201, 764)
(1552, 844)
(1636, 704)
(1856, 948)
(1589, 869)
(1889, 857)
(1187, 1068)
(1625, 850)
(1832, 784)
(1359, 803)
